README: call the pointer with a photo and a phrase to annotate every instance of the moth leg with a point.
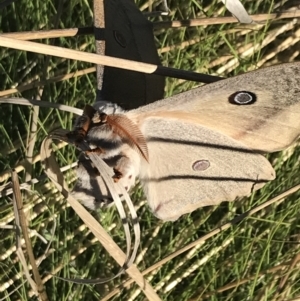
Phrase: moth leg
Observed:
(79, 134)
(118, 175)
(122, 169)
(99, 118)
(82, 125)
(97, 151)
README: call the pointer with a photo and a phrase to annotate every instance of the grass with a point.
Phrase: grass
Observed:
(248, 261)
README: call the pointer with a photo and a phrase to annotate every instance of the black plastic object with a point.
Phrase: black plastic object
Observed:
(128, 35)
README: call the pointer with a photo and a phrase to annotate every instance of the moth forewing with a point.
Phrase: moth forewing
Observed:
(269, 121)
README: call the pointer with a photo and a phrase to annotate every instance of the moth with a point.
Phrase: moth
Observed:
(197, 148)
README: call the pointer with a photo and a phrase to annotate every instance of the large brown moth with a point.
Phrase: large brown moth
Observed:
(197, 148)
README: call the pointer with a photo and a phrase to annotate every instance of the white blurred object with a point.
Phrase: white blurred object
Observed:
(238, 10)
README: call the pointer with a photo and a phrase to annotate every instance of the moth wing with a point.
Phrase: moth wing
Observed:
(192, 166)
(269, 123)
